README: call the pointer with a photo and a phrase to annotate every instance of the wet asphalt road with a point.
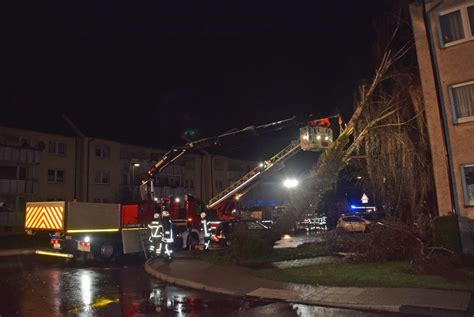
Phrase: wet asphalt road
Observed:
(43, 286)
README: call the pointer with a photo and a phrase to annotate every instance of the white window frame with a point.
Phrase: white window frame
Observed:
(56, 148)
(102, 173)
(467, 202)
(453, 106)
(55, 181)
(468, 36)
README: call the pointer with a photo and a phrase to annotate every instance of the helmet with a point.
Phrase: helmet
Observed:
(156, 215)
(165, 213)
(203, 215)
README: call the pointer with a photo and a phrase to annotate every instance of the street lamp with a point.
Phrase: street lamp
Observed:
(290, 183)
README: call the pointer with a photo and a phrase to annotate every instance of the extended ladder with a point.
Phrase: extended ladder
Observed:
(263, 167)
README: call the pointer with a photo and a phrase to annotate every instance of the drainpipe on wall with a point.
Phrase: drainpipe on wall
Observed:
(88, 167)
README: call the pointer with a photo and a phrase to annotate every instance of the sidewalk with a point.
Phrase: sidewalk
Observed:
(238, 281)
(13, 252)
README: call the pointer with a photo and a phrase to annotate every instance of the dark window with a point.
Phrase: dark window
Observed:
(468, 182)
(102, 151)
(102, 177)
(55, 176)
(57, 148)
(470, 13)
(451, 27)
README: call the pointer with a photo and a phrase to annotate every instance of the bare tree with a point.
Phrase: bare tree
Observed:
(324, 174)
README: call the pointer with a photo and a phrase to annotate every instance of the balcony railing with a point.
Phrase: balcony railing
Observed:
(17, 154)
(18, 186)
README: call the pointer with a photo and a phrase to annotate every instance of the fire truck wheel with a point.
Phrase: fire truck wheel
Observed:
(106, 252)
(193, 241)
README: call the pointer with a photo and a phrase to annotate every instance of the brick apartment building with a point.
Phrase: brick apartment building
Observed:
(37, 166)
(444, 38)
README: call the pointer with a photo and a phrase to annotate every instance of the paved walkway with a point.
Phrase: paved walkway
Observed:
(233, 280)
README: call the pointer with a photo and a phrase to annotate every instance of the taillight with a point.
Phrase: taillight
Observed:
(54, 241)
(190, 219)
(85, 244)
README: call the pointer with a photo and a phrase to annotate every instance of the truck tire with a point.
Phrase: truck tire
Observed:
(106, 252)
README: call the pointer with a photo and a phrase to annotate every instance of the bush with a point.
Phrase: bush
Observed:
(446, 233)
(252, 247)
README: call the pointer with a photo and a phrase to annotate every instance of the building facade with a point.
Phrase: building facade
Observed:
(444, 39)
(36, 166)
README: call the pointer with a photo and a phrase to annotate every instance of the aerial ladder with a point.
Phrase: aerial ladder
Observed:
(146, 187)
(314, 136)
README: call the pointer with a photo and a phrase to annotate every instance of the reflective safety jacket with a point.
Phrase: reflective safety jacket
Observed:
(167, 230)
(156, 228)
(205, 228)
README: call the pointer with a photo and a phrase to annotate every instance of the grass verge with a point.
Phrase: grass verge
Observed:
(223, 256)
(389, 274)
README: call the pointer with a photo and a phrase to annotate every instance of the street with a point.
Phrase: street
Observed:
(43, 286)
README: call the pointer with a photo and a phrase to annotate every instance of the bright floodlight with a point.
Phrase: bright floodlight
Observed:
(136, 164)
(290, 183)
(177, 199)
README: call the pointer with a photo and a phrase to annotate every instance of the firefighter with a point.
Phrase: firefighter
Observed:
(206, 230)
(156, 235)
(167, 238)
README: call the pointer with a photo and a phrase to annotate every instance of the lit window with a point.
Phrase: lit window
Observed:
(462, 99)
(102, 151)
(467, 172)
(55, 176)
(456, 25)
(102, 177)
(57, 148)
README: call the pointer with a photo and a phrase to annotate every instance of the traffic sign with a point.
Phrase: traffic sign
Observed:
(364, 199)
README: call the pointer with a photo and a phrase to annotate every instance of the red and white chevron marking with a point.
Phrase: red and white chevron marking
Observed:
(44, 217)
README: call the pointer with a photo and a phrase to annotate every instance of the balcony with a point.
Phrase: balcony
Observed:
(18, 186)
(18, 154)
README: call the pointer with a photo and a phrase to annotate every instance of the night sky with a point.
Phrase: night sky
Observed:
(143, 72)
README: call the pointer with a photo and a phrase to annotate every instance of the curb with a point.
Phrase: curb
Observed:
(406, 309)
(14, 252)
(185, 283)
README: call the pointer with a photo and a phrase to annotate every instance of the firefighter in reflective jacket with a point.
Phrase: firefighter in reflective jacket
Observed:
(156, 235)
(167, 238)
(206, 230)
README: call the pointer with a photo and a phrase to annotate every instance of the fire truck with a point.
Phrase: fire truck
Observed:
(315, 135)
(90, 230)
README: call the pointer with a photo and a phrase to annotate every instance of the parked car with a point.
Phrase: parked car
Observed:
(353, 224)
(223, 233)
